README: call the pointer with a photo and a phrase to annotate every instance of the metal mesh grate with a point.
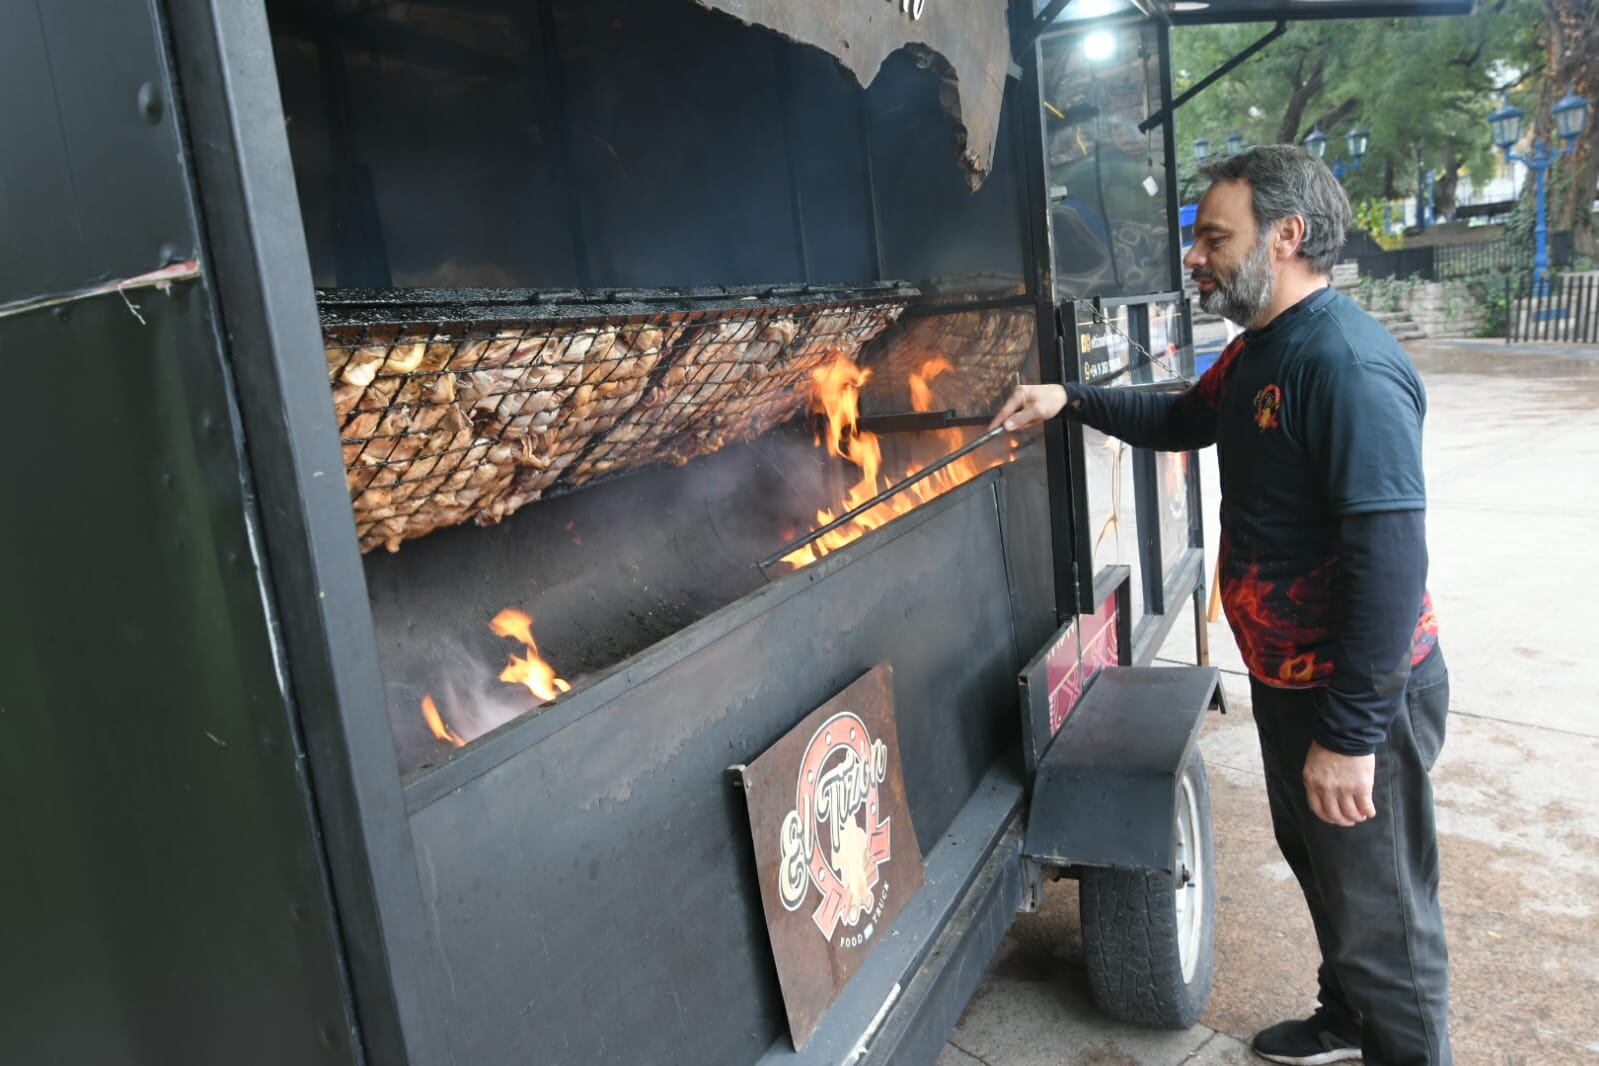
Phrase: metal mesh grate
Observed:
(442, 422)
(987, 350)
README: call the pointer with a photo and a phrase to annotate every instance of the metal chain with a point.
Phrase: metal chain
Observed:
(1149, 359)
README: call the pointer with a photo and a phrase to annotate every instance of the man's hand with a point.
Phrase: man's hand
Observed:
(1339, 786)
(1030, 405)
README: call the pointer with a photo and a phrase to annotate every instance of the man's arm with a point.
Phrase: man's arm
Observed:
(1383, 567)
(1361, 426)
(1168, 422)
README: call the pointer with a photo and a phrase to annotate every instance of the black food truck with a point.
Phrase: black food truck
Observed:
(472, 614)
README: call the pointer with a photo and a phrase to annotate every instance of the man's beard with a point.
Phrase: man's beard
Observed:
(1243, 297)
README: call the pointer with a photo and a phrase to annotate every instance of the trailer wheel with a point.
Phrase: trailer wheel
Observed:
(1149, 937)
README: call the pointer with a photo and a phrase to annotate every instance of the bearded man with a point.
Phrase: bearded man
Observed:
(1317, 413)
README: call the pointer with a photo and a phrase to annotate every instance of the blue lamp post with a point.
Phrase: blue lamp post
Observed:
(1201, 149)
(1357, 140)
(1571, 116)
(1235, 143)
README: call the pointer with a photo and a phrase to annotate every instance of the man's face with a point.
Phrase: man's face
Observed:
(1230, 261)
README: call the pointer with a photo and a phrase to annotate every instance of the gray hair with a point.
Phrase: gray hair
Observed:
(1288, 180)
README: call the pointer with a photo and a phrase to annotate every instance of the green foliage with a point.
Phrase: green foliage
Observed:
(1385, 294)
(1493, 291)
(1369, 218)
(1426, 80)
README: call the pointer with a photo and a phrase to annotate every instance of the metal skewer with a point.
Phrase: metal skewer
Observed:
(893, 490)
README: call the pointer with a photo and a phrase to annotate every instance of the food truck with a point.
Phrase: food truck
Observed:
(473, 614)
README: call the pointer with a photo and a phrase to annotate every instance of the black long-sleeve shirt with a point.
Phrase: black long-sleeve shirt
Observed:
(1317, 418)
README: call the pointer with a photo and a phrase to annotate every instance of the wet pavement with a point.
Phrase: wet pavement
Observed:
(1512, 453)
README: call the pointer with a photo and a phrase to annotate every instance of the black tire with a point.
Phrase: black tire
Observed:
(1130, 932)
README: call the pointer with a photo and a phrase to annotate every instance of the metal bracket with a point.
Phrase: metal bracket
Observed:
(1209, 79)
(1033, 877)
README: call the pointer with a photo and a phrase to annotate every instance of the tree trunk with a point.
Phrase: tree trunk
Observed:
(1448, 183)
(1571, 40)
(1305, 90)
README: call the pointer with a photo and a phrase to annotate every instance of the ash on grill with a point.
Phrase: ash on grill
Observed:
(470, 410)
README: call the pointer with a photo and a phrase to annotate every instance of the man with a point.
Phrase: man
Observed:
(1316, 414)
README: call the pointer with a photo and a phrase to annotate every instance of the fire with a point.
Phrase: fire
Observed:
(531, 671)
(430, 711)
(835, 395)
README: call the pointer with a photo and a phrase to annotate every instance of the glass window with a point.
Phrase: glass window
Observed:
(1107, 181)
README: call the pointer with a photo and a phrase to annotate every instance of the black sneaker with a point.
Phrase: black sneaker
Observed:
(1305, 1043)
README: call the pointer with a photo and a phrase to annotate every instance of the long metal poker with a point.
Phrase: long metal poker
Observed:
(893, 490)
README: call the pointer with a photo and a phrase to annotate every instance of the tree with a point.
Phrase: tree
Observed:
(1571, 57)
(1411, 82)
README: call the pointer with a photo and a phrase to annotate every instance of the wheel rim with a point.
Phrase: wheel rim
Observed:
(1190, 894)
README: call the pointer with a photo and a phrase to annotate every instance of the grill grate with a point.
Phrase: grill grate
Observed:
(468, 411)
(988, 350)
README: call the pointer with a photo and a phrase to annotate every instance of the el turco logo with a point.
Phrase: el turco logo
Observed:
(832, 840)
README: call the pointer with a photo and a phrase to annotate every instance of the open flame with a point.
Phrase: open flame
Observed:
(835, 395)
(430, 712)
(531, 671)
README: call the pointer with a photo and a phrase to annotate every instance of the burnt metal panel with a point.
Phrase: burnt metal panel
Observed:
(1106, 789)
(967, 44)
(88, 191)
(163, 887)
(613, 810)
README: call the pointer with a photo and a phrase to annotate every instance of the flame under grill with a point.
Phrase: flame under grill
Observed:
(470, 410)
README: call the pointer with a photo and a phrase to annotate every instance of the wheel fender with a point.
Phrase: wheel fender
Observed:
(1106, 787)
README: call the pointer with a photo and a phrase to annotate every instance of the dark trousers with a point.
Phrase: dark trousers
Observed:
(1372, 888)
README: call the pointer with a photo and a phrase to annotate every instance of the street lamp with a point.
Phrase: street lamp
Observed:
(1571, 117)
(1235, 143)
(1357, 140)
(1201, 149)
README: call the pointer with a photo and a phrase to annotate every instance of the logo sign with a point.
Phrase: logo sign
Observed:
(1102, 346)
(834, 845)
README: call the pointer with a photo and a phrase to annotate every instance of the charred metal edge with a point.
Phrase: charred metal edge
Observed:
(371, 307)
(424, 787)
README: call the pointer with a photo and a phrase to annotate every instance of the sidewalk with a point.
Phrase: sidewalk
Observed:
(1513, 478)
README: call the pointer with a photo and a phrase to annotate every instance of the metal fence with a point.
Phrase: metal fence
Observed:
(1566, 310)
(1504, 254)
(1445, 261)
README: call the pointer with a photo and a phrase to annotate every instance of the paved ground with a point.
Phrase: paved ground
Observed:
(1513, 476)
